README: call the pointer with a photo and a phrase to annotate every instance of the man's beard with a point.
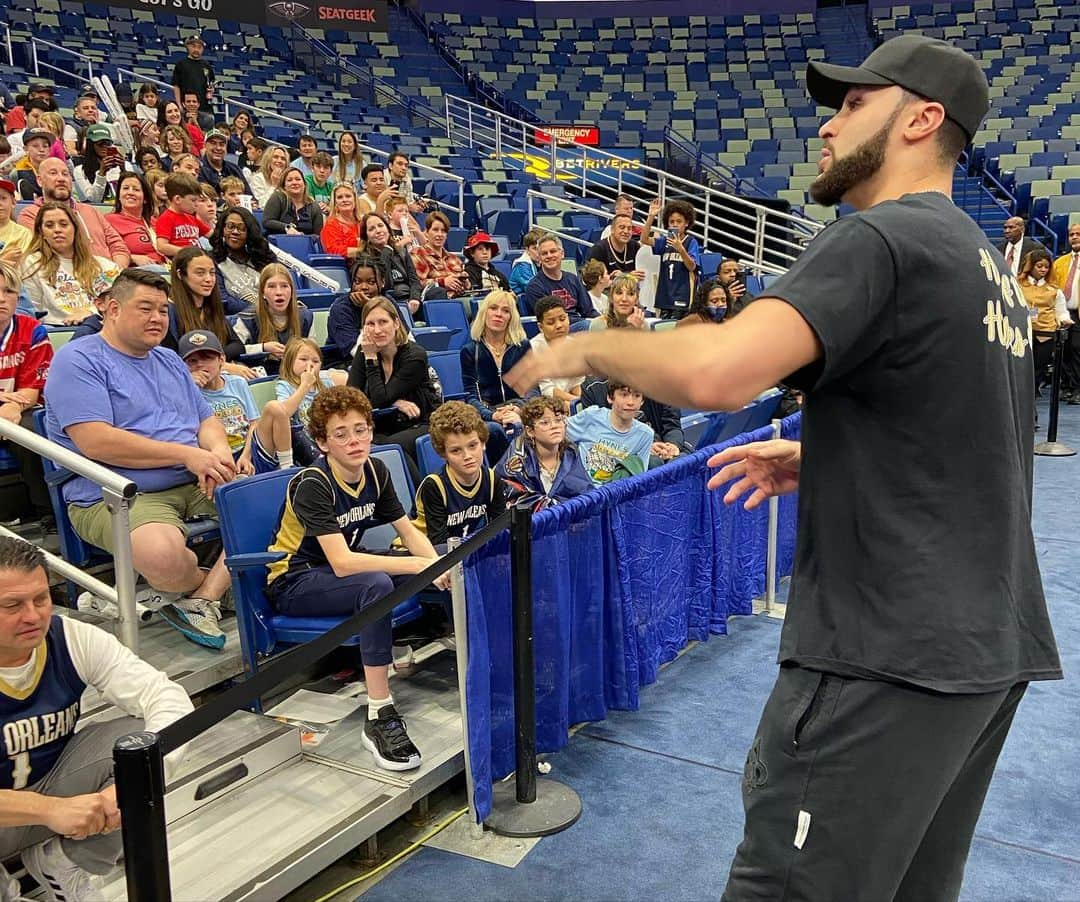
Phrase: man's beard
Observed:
(56, 195)
(859, 166)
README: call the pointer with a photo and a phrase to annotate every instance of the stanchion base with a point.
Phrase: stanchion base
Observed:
(556, 807)
(1054, 449)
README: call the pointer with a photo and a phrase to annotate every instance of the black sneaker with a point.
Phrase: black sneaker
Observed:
(386, 739)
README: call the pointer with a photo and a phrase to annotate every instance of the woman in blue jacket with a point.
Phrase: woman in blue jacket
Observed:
(541, 467)
(498, 343)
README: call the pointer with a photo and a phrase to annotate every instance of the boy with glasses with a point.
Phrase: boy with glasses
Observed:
(327, 572)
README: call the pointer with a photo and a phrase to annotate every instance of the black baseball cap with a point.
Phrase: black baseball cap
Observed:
(199, 340)
(928, 67)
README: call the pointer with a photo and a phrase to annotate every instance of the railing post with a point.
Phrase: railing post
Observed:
(461, 203)
(449, 129)
(705, 224)
(535, 807)
(552, 144)
(34, 56)
(7, 42)
(469, 110)
(1052, 447)
(140, 795)
(123, 565)
(529, 198)
(759, 237)
(498, 137)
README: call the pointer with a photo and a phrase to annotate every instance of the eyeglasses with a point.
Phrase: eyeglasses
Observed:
(344, 436)
(558, 420)
(234, 227)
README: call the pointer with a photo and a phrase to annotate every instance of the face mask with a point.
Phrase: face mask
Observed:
(718, 313)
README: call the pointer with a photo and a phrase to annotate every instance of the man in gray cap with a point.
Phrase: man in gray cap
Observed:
(916, 615)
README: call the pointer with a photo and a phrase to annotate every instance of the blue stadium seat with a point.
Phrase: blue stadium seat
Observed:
(451, 314)
(297, 245)
(249, 511)
(447, 364)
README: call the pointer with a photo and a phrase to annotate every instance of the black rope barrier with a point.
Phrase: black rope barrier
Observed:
(139, 758)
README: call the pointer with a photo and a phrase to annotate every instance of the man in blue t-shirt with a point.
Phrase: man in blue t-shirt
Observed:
(123, 401)
(612, 443)
(553, 280)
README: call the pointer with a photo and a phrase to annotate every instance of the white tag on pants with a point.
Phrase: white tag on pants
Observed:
(802, 828)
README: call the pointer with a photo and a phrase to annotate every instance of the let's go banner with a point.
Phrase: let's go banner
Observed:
(349, 15)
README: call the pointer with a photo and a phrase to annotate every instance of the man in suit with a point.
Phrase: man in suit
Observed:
(1016, 245)
(1065, 274)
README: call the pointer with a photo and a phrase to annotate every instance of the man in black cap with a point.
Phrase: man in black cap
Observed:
(916, 615)
(193, 73)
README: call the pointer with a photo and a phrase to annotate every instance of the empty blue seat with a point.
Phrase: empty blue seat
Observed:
(447, 366)
(450, 314)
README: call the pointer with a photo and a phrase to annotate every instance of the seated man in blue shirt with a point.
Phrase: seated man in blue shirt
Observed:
(123, 401)
(553, 280)
(612, 443)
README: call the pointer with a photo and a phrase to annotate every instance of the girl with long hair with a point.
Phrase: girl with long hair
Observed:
(134, 218)
(278, 317)
(61, 275)
(196, 304)
(348, 161)
(300, 380)
(240, 124)
(241, 252)
(170, 113)
(155, 181)
(146, 107)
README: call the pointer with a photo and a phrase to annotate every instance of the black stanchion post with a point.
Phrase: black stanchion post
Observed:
(140, 795)
(535, 807)
(524, 660)
(1052, 447)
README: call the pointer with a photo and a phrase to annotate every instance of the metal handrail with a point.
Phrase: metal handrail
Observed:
(117, 492)
(133, 75)
(7, 43)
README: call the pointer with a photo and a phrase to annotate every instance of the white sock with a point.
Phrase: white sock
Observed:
(284, 459)
(375, 705)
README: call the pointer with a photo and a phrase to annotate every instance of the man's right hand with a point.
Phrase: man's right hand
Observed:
(210, 469)
(77, 817)
(769, 468)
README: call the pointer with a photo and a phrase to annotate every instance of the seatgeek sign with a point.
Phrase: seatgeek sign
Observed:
(349, 15)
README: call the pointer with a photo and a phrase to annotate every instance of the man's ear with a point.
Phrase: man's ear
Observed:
(923, 118)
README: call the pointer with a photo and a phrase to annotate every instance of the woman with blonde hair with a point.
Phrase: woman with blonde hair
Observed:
(61, 275)
(498, 343)
(271, 174)
(176, 142)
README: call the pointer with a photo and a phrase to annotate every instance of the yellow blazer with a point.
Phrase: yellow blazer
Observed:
(1060, 270)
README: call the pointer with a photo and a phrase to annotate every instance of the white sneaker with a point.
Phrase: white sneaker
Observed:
(197, 618)
(62, 879)
(10, 891)
(146, 603)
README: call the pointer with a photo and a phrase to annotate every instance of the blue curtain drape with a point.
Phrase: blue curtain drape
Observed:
(623, 578)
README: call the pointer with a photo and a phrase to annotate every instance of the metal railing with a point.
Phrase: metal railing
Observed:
(38, 64)
(703, 166)
(733, 225)
(320, 58)
(7, 43)
(117, 493)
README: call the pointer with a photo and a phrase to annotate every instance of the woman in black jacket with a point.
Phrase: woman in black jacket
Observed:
(290, 209)
(393, 372)
(400, 281)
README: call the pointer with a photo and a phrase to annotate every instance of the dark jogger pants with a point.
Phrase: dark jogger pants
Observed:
(865, 791)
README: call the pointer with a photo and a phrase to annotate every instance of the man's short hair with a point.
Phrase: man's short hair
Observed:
(549, 237)
(397, 155)
(455, 418)
(9, 276)
(591, 273)
(621, 216)
(951, 138)
(180, 184)
(369, 170)
(322, 158)
(304, 138)
(36, 103)
(338, 400)
(123, 289)
(17, 554)
(545, 305)
(188, 93)
(208, 191)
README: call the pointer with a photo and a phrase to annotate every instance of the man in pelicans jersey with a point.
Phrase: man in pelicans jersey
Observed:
(327, 572)
(57, 799)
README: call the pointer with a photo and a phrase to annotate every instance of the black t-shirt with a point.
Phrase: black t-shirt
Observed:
(915, 560)
(318, 503)
(194, 75)
(624, 262)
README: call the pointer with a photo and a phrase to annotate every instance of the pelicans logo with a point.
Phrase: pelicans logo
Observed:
(288, 9)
